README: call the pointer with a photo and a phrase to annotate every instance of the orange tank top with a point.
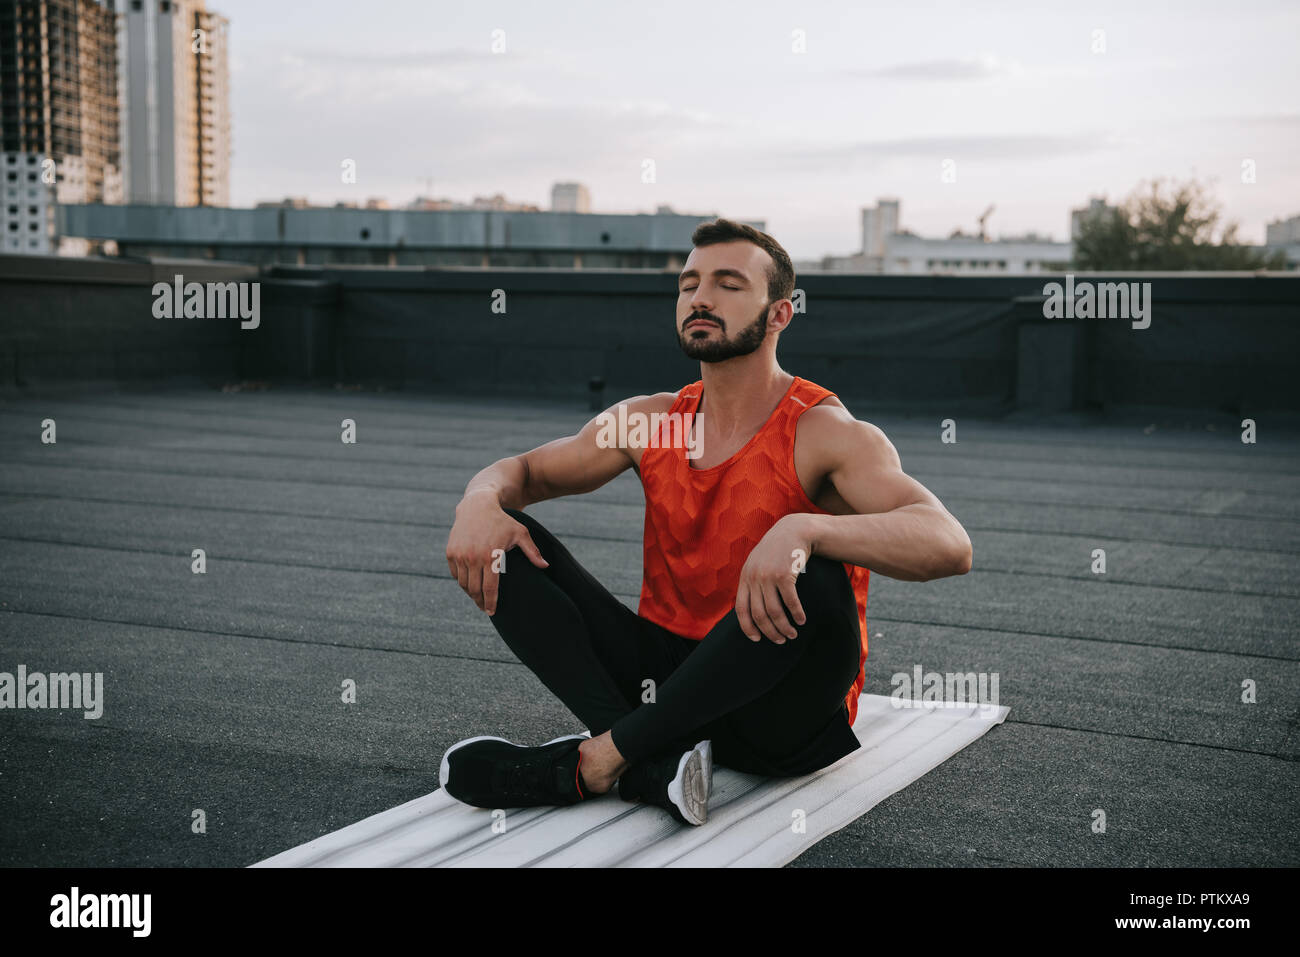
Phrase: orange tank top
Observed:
(701, 524)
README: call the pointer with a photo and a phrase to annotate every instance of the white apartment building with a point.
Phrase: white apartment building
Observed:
(888, 249)
(878, 224)
(970, 255)
(1282, 232)
(1096, 207)
(570, 198)
(176, 111)
(29, 200)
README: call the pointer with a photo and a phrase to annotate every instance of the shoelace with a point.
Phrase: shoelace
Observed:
(520, 777)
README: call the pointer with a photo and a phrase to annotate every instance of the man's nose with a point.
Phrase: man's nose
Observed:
(701, 305)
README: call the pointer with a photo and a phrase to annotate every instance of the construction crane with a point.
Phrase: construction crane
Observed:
(988, 212)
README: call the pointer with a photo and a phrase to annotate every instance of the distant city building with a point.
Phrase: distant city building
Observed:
(426, 204)
(889, 249)
(499, 203)
(289, 202)
(421, 203)
(59, 137)
(1096, 207)
(285, 232)
(1282, 232)
(494, 203)
(878, 224)
(1283, 235)
(177, 105)
(570, 198)
(32, 189)
(214, 106)
(970, 255)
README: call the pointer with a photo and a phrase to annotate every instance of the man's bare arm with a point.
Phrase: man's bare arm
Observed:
(566, 466)
(898, 527)
(895, 525)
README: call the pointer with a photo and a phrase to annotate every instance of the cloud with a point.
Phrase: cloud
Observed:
(1285, 120)
(982, 67)
(393, 60)
(935, 148)
(461, 126)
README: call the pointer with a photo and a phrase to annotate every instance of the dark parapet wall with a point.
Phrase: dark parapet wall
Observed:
(560, 330)
(1220, 342)
(1229, 344)
(90, 323)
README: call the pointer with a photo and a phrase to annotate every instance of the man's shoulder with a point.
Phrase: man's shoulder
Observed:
(656, 401)
(829, 425)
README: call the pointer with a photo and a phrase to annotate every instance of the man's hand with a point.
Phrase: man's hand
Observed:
(480, 529)
(768, 579)
(567, 466)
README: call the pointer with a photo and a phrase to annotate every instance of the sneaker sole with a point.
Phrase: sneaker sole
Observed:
(444, 768)
(706, 760)
(689, 790)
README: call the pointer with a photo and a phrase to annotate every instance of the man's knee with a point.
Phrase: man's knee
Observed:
(824, 580)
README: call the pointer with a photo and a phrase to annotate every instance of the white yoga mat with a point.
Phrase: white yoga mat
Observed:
(753, 821)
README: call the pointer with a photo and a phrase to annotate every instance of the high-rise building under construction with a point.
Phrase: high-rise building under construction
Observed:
(59, 119)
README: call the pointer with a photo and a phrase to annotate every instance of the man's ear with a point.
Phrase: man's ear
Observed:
(783, 314)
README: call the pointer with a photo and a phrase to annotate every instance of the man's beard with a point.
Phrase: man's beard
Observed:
(720, 350)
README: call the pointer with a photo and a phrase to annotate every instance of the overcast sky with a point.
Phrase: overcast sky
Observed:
(739, 124)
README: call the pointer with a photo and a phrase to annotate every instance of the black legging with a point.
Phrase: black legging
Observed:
(768, 708)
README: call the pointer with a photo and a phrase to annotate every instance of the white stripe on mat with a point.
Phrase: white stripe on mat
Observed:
(751, 818)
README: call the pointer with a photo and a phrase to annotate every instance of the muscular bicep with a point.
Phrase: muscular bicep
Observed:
(584, 461)
(865, 471)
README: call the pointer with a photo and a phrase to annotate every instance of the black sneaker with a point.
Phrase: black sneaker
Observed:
(493, 772)
(678, 783)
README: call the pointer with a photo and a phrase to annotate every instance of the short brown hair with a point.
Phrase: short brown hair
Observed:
(780, 276)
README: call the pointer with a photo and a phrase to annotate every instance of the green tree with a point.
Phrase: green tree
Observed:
(1166, 230)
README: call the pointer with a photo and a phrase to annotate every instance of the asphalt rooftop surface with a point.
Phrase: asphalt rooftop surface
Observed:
(325, 563)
